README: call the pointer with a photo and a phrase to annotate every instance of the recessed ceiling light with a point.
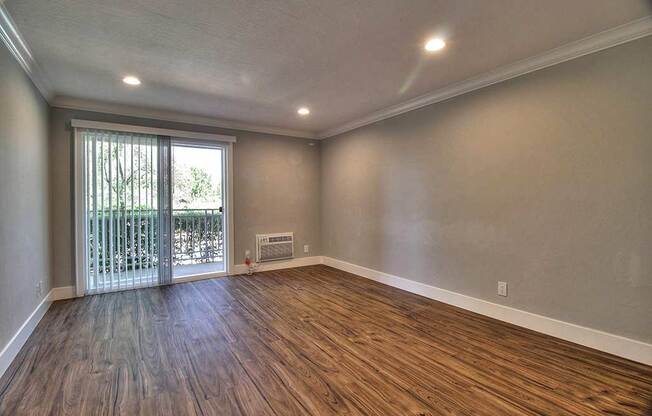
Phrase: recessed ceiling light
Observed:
(435, 44)
(131, 80)
(303, 111)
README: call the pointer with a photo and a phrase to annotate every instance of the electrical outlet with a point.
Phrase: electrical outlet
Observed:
(306, 248)
(502, 288)
(39, 288)
(247, 253)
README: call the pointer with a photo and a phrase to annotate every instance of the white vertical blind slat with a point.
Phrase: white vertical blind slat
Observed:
(102, 179)
(110, 185)
(147, 211)
(140, 217)
(86, 205)
(92, 167)
(116, 208)
(132, 253)
(151, 212)
(125, 238)
(149, 198)
(118, 211)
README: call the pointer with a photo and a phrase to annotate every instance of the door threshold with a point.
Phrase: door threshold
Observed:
(199, 276)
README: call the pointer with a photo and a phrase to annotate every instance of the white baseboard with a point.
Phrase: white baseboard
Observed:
(11, 350)
(277, 265)
(63, 292)
(603, 341)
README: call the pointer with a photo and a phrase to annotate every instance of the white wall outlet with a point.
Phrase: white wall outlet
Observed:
(502, 288)
(39, 288)
(247, 253)
(306, 248)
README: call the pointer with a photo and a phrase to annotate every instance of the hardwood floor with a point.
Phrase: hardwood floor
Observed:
(307, 341)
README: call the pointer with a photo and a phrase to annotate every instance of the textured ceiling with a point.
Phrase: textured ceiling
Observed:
(257, 61)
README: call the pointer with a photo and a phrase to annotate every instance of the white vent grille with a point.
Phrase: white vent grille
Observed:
(274, 247)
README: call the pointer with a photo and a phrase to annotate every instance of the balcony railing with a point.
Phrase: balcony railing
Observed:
(198, 238)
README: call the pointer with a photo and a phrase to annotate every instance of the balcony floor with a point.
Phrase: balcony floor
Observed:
(193, 269)
(149, 276)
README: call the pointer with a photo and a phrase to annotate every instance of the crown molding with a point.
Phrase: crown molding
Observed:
(616, 36)
(14, 41)
(73, 103)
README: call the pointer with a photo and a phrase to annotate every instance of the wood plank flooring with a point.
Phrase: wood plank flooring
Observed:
(306, 341)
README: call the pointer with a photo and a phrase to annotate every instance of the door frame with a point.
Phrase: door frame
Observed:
(79, 186)
(227, 198)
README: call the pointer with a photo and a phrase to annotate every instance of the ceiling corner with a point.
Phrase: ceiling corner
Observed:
(18, 47)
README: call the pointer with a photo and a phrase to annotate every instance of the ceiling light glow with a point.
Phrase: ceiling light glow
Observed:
(435, 44)
(131, 80)
(303, 111)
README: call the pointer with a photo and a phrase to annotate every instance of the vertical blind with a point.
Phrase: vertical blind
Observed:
(124, 177)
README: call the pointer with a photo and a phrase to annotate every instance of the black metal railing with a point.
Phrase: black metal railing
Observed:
(128, 240)
(198, 236)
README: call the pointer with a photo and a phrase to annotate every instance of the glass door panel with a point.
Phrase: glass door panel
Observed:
(197, 209)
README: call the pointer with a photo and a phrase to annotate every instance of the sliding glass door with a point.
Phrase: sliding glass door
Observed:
(150, 209)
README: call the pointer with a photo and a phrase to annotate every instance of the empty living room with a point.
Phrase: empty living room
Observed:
(325, 207)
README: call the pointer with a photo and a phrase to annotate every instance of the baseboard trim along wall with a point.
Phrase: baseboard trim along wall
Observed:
(11, 350)
(599, 340)
(63, 292)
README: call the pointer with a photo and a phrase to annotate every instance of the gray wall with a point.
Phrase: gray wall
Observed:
(276, 187)
(24, 233)
(544, 181)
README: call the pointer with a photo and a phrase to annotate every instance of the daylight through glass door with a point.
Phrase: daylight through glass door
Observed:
(197, 209)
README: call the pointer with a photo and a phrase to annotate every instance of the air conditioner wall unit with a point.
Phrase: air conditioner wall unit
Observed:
(270, 247)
